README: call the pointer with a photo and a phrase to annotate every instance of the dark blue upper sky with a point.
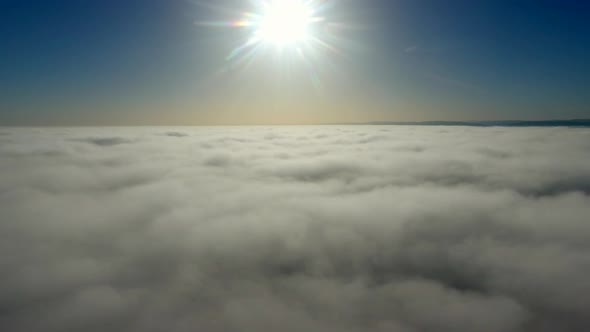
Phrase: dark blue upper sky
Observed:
(146, 61)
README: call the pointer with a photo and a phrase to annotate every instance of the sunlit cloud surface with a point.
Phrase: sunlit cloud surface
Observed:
(340, 228)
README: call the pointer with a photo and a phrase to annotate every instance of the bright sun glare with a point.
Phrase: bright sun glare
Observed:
(285, 22)
(286, 31)
(281, 22)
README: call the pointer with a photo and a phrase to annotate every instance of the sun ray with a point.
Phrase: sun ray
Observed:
(287, 31)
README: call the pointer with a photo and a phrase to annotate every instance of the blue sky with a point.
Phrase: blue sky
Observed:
(147, 62)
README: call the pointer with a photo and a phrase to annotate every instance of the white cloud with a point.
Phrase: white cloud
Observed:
(359, 228)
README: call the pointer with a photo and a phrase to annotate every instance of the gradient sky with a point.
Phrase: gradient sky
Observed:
(124, 62)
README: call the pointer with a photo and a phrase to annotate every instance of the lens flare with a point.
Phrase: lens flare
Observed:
(282, 23)
(288, 33)
(285, 22)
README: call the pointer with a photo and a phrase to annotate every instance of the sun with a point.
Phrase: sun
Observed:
(285, 22)
(295, 36)
(281, 23)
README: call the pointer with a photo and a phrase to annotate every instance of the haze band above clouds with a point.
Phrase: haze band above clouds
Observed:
(336, 228)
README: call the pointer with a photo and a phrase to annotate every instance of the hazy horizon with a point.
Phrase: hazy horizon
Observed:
(566, 122)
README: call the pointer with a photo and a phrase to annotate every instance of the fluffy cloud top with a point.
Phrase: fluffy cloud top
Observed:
(360, 228)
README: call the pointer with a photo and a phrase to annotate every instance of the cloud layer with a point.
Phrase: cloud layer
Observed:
(354, 229)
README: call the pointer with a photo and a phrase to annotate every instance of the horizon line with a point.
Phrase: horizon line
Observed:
(584, 122)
